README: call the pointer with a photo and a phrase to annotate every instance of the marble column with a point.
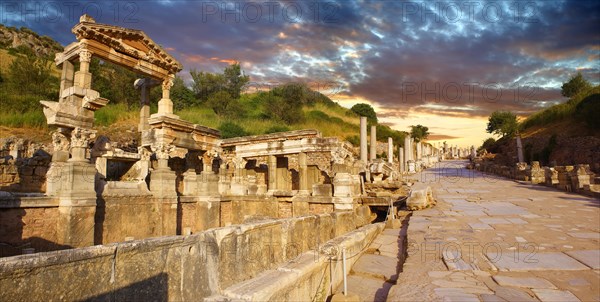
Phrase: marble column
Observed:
(83, 77)
(390, 150)
(165, 105)
(303, 174)
(373, 153)
(363, 139)
(520, 156)
(407, 151)
(66, 77)
(272, 166)
(401, 159)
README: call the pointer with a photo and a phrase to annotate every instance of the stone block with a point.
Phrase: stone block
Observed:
(322, 190)
(420, 197)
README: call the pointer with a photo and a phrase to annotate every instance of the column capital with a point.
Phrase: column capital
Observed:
(85, 55)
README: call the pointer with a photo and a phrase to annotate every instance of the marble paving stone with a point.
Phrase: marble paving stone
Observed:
(528, 261)
(553, 295)
(480, 226)
(491, 298)
(585, 235)
(475, 213)
(530, 282)
(376, 266)
(517, 220)
(494, 220)
(578, 282)
(520, 239)
(590, 258)
(455, 294)
(368, 289)
(513, 294)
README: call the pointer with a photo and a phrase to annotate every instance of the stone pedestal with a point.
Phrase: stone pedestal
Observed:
(162, 183)
(208, 184)
(343, 185)
(77, 204)
(190, 183)
(411, 166)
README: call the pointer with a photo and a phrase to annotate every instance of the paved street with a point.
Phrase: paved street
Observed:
(494, 239)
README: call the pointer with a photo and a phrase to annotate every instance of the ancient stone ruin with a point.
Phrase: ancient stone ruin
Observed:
(297, 189)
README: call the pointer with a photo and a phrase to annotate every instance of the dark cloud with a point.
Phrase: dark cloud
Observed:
(429, 57)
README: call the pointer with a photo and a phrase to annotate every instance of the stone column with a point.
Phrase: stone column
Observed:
(363, 139)
(473, 152)
(66, 77)
(165, 105)
(144, 85)
(83, 77)
(76, 194)
(303, 174)
(238, 185)
(209, 180)
(419, 151)
(401, 159)
(520, 156)
(162, 179)
(390, 150)
(272, 165)
(373, 154)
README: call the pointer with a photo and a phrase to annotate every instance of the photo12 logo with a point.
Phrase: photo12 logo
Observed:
(270, 11)
(68, 11)
(469, 11)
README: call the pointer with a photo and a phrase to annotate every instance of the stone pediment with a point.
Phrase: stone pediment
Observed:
(132, 42)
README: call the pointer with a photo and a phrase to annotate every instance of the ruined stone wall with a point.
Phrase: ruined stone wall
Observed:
(120, 218)
(179, 267)
(24, 174)
(26, 229)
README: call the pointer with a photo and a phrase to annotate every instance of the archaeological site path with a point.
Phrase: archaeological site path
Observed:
(494, 239)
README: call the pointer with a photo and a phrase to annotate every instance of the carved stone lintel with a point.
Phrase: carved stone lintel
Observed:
(81, 137)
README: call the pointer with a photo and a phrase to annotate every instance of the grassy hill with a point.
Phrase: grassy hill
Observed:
(22, 115)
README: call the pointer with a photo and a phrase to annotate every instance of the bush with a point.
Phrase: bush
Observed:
(229, 130)
(277, 128)
(589, 110)
(354, 139)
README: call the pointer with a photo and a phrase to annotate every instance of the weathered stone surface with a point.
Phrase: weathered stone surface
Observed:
(590, 258)
(525, 261)
(553, 295)
(377, 266)
(524, 282)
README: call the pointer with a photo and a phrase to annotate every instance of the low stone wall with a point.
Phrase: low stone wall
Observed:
(24, 174)
(28, 224)
(578, 178)
(307, 277)
(171, 268)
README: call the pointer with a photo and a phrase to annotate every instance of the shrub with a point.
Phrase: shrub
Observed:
(277, 128)
(229, 130)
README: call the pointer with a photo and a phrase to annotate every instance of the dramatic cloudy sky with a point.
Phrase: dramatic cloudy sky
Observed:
(446, 65)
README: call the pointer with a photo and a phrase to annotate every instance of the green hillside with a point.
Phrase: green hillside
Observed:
(215, 100)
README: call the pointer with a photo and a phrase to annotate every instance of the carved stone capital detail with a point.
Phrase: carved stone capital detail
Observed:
(85, 56)
(81, 137)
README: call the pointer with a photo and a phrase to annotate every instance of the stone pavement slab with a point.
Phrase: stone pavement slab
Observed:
(527, 261)
(553, 295)
(377, 266)
(368, 289)
(530, 282)
(590, 258)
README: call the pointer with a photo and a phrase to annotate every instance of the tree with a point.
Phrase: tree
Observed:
(502, 123)
(206, 84)
(181, 95)
(229, 130)
(487, 144)
(32, 75)
(419, 132)
(279, 108)
(231, 81)
(219, 101)
(365, 110)
(234, 80)
(575, 85)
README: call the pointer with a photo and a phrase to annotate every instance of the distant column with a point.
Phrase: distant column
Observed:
(390, 150)
(363, 139)
(373, 154)
(272, 165)
(520, 149)
(401, 159)
(407, 151)
(303, 174)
